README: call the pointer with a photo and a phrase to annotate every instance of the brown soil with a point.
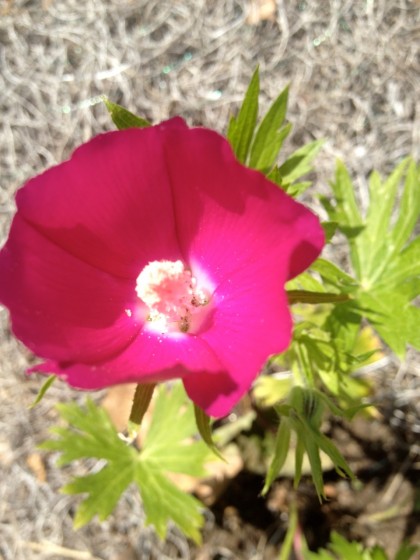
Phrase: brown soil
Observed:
(380, 507)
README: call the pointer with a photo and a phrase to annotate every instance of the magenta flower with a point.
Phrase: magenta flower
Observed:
(153, 254)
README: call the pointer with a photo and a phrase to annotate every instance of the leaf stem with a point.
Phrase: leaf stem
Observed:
(302, 296)
(287, 546)
(141, 401)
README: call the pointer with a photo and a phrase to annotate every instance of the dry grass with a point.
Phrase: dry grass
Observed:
(354, 67)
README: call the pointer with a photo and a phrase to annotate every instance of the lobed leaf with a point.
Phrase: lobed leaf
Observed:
(404, 266)
(169, 447)
(103, 490)
(163, 502)
(382, 196)
(386, 262)
(409, 209)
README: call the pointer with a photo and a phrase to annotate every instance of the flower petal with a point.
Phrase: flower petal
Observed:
(251, 321)
(149, 358)
(60, 307)
(216, 394)
(228, 215)
(86, 229)
(110, 204)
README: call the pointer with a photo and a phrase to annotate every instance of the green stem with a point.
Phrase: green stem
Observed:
(141, 401)
(286, 549)
(302, 296)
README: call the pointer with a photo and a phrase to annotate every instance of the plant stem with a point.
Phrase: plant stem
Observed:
(141, 401)
(302, 296)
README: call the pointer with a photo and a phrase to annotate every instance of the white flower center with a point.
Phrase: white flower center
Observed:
(171, 293)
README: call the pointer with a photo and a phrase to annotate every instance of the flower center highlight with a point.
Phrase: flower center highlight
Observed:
(171, 293)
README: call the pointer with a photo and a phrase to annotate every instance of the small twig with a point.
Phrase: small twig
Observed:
(47, 547)
(391, 492)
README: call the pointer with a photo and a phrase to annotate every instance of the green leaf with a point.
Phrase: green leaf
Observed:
(344, 324)
(300, 162)
(345, 549)
(241, 128)
(281, 448)
(382, 200)
(375, 236)
(88, 437)
(409, 209)
(329, 230)
(169, 447)
(413, 323)
(270, 135)
(299, 454)
(122, 118)
(404, 267)
(406, 551)
(385, 257)
(377, 553)
(307, 282)
(46, 385)
(346, 213)
(351, 550)
(388, 312)
(163, 502)
(334, 276)
(292, 189)
(168, 439)
(327, 446)
(203, 424)
(103, 488)
(312, 450)
(304, 417)
(296, 189)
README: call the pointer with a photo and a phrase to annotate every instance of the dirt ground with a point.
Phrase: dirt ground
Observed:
(380, 507)
(354, 69)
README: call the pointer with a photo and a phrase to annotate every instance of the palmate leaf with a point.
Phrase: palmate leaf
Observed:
(342, 549)
(385, 258)
(169, 447)
(393, 317)
(377, 237)
(331, 351)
